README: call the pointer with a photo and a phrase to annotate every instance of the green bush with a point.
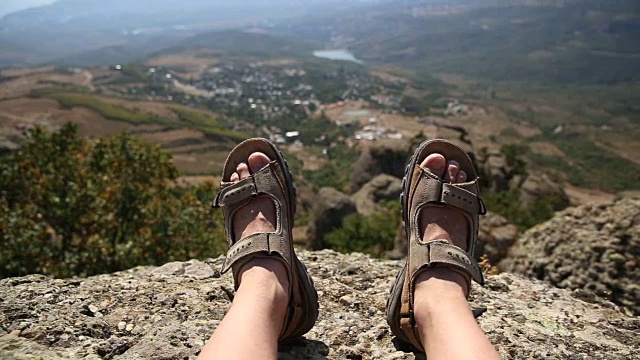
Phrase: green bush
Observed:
(336, 172)
(367, 234)
(508, 204)
(414, 106)
(72, 207)
(514, 153)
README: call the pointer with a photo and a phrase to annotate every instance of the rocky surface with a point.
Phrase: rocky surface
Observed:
(593, 247)
(168, 313)
(495, 238)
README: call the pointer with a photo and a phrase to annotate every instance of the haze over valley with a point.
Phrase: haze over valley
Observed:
(544, 93)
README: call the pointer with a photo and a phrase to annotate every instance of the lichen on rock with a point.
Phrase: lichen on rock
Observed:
(169, 312)
(594, 248)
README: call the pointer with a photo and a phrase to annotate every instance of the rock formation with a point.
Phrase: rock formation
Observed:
(382, 158)
(536, 186)
(380, 188)
(593, 248)
(330, 207)
(493, 170)
(169, 312)
(495, 238)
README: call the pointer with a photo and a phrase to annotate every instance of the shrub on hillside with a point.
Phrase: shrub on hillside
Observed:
(373, 234)
(69, 206)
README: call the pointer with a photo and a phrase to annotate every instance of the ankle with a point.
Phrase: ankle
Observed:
(267, 275)
(435, 288)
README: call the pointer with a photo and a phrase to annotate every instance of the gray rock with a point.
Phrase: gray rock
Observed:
(593, 248)
(381, 187)
(330, 208)
(495, 238)
(198, 270)
(385, 157)
(172, 268)
(173, 316)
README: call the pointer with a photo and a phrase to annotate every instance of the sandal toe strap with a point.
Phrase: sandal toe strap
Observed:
(463, 196)
(262, 182)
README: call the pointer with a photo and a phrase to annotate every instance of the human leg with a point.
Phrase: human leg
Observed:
(258, 310)
(259, 202)
(427, 306)
(447, 328)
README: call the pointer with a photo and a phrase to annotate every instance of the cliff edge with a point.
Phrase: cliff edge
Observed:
(168, 312)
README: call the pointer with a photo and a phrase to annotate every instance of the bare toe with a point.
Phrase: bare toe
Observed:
(434, 163)
(243, 170)
(452, 171)
(443, 223)
(259, 214)
(462, 177)
(257, 161)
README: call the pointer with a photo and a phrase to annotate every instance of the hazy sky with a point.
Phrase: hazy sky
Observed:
(9, 6)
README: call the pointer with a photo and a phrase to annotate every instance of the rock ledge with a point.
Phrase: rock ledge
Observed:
(168, 312)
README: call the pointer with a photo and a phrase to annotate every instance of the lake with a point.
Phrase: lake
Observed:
(339, 54)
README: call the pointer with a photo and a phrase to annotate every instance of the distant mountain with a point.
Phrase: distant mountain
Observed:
(69, 27)
(233, 42)
(552, 41)
(123, 15)
(241, 43)
(11, 53)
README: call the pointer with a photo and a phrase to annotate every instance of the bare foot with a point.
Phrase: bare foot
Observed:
(443, 223)
(441, 311)
(259, 215)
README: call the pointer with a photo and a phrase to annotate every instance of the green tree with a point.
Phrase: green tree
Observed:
(69, 206)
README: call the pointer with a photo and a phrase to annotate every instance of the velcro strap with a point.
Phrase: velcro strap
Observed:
(432, 189)
(268, 243)
(234, 193)
(436, 253)
(462, 199)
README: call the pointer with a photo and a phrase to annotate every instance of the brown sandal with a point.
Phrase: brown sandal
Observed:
(422, 189)
(276, 182)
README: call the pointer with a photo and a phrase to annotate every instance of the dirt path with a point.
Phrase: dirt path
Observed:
(88, 81)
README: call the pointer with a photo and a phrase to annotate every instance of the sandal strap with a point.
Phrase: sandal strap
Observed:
(239, 192)
(441, 253)
(462, 196)
(429, 190)
(433, 254)
(273, 181)
(267, 181)
(259, 243)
